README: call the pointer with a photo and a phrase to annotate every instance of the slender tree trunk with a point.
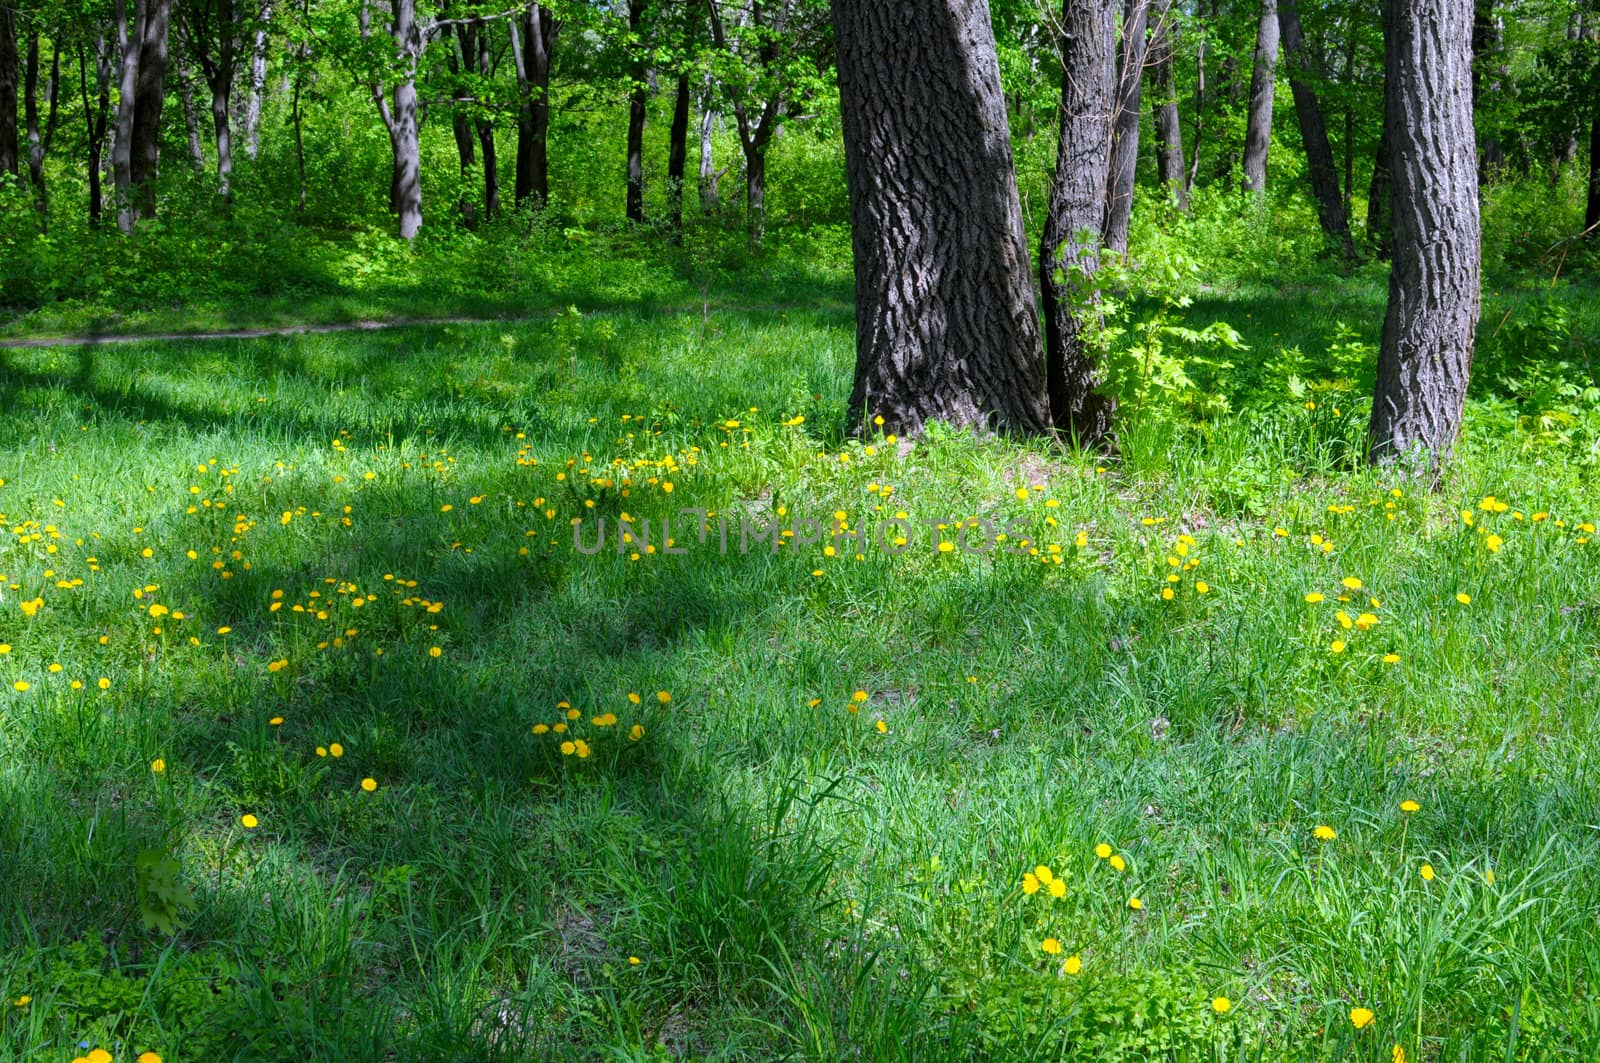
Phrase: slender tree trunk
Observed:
(708, 168)
(150, 95)
(258, 84)
(638, 102)
(1380, 208)
(96, 116)
(532, 50)
(475, 50)
(191, 116)
(678, 156)
(1069, 252)
(1319, 155)
(1485, 55)
(946, 327)
(1164, 113)
(8, 90)
(1426, 351)
(1227, 98)
(39, 138)
(1591, 210)
(1125, 126)
(405, 186)
(466, 151)
(1258, 123)
(1199, 113)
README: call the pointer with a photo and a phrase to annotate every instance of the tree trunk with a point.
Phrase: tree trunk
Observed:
(945, 321)
(532, 50)
(475, 54)
(755, 192)
(96, 116)
(1485, 52)
(638, 101)
(1258, 124)
(144, 152)
(1069, 251)
(1380, 206)
(1125, 126)
(1591, 210)
(191, 117)
(1193, 173)
(678, 157)
(1164, 113)
(130, 30)
(1433, 283)
(8, 90)
(39, 138)
(258, 84)
(708, 168)
(466, 151)
(405, 185)
(1314, 134)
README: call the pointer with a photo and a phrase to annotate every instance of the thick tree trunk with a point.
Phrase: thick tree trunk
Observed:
(8, 90)
(946, 327)
(755, 192)
(1069, 251)
(1434, 281)
(677, 157)
(1164, 114)
(532, 50)
(258, 84)
(144, 154)
(1258, 124)
(1313, 132)
(130, 30)
(405, 142)
(638, 102)
(1125, 125)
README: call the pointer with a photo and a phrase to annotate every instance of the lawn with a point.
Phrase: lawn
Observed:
(322, 735)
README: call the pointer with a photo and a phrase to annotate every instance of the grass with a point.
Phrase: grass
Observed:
(817, 842)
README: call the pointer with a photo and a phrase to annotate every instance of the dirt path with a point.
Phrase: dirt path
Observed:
(95, 339)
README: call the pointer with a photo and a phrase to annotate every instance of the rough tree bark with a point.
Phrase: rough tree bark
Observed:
(1125, 125)
(709, 174)
(1258, 123)
(1069, 251)
(8, 90)
(1313, 131)
(945, 322)
(532, 49)
(638, 106)
(677, 156)
(1164, 113)
(1426, 351)
(191, 117)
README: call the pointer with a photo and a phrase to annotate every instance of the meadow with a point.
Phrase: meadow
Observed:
(319, 737)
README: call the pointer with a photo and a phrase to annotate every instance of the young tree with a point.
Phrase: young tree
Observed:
(638, 107)
(1434, 280)
(1069, 251)
(39, 138)
(945, 321)
(142, 40)
(1164, 112)
(258, 80)
(1313, 131)
(1125, 125)
(1258, 128)
(401, 118)
(212, 29)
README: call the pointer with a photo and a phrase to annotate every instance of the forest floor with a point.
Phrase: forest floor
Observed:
(322, 736)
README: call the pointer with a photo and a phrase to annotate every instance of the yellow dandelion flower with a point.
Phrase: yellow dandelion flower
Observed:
(158, 766)
(583, 748)
(1102, 850)
(1118, 863)
(663, 697)
(1464, 599)
(249, 822)
(1314, 597)
(568, 748)
(883, 728)
(1361, 1018)
(1030, 883)
(1337, 646)
(1325, 833)
(635, 733)
(335, 749)
(1409, 805)
(1044, 874)
(1427, 872)
(369, 784)
(1494, 542)
(22, 686)
(435, 651)
(1050, 946)
(1058, 888)
(1135, 903)
(1072, 966)
(1221, 1005)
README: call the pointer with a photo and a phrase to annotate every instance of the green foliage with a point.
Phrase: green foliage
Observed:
(164, 900)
